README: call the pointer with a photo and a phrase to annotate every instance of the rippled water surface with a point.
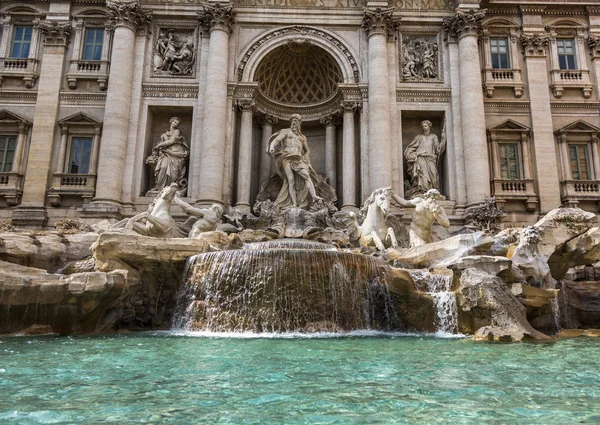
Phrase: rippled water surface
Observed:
(199, 379)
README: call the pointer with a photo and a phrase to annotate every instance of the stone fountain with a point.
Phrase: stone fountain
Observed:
(296, 264)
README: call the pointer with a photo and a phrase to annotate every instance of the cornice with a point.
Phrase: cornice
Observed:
(425, 95)
(170, 91)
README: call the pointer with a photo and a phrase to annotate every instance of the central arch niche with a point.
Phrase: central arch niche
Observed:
(298, 73)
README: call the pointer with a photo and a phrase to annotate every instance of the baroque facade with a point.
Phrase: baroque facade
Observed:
(103, 103)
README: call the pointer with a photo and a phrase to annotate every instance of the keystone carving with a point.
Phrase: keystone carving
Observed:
(56, 34)
(217, 16)
(380, 21)
(464, 22)
(534, 44)
(128, 13)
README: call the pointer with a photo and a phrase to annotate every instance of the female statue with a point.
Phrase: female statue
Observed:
(169, 157)
(422, 157)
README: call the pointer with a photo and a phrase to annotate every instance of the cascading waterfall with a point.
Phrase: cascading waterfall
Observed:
(440, 289)
(285, 286)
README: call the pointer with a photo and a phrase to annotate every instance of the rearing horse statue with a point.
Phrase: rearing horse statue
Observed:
(374, 231)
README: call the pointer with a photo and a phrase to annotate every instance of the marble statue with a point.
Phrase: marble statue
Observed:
(422, 159)
(290, 150)
(205, 219)
(426, 212)
(157, 220)
(420, 58)
(171, 56)
(374, 230)
(169, 158)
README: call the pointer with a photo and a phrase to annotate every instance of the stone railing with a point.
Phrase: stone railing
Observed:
(494, 78)
(11, 187)
(72, 185)
(88, 70)
(521, 190)
(571, 79)
(20, 68)
(573, 191)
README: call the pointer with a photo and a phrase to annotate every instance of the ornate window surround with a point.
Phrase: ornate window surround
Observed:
(11, 183)
(574, 191)
(63, 182)
(521, 189)
(27, 68)
(562, 79)
(80, 69)
(511, 77)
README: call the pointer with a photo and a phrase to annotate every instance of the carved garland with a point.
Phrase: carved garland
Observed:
(303, 31)
(534, 44)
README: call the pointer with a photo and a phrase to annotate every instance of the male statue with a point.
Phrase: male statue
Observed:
(426, 212)
(290, 150)
(207, 218)
(422, 157)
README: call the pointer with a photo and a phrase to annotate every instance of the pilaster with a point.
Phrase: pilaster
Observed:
(535, 48)
(244, 174)
(32, 212)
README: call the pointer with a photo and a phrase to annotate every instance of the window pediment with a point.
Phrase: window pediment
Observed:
(580, 126)
(510, 126)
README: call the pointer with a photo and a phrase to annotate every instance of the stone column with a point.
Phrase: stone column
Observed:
(330, 122)
(378, 24)
(526, 156)
(465, 24)
(244, 172)
(21, 140)
(31, 212)
(459, 160)
(545, 165)
(96, 148)
(217, 19)
(348, 156)
(266, 122)
(62, 151)
(128, 17)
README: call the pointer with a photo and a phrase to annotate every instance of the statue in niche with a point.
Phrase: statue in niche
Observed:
(296, 184)
(426, 212)
(173, 56)
(422, 159)
(169, 159)
(420, 58)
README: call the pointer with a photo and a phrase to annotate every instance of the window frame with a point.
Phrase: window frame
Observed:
(518, 159)
(68, 162)
(4, 151)
(574, 55)
(589, 169)
(499, 54)
(85, 44)
(13, 41)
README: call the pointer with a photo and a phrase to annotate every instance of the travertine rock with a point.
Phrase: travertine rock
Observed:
(31, 297)
(538, 242)
(581, 250)
(442, 252)
(489, 309)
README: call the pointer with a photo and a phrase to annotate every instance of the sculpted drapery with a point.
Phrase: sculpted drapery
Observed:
(422, 158)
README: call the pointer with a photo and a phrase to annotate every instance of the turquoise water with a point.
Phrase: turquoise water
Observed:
(175, 379)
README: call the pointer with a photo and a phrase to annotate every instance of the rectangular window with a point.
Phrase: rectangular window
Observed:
(92, 46)
(7, 152)
(578, 156)
(21, 42)
(81, 150)
(509, 161)
(566, 53)
(499, 49)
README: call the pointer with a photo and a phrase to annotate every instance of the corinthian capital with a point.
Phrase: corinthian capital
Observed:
(465, 22)
(349, 105)
(379, 21)
(534, 44)
(128, 13)
(55, 33)
(594, 43)
(246, 104)
(217, 17)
